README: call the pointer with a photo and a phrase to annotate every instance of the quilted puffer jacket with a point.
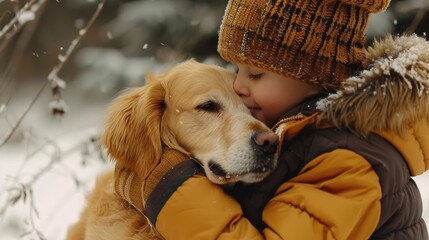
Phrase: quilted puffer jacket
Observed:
(344, 170)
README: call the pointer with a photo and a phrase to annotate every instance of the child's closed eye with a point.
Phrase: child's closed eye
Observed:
(255, 76)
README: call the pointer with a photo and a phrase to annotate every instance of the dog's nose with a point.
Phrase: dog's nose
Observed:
(266, 142)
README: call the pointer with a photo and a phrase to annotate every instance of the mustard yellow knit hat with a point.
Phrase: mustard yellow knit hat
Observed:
(320, 42)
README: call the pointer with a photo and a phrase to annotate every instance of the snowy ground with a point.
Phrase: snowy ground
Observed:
(65, 147)
(59, 193)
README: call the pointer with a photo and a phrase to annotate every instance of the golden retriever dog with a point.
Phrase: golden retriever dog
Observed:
(192, 108)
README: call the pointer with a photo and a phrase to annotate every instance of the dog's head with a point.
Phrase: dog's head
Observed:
(191, 108)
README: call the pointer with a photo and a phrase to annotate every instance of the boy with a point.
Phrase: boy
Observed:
(345, 166)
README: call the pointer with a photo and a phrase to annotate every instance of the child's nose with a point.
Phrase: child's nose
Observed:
(240, 88)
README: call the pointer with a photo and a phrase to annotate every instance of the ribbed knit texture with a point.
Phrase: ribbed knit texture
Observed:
(320, 42)
(136, 190)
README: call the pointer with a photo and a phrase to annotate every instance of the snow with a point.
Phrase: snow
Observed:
(59, 195)
(26, 17)
(66, 147)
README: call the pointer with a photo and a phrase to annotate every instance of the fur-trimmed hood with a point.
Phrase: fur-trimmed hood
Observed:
(389, 97)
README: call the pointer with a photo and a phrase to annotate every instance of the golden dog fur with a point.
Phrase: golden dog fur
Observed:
(191, 108)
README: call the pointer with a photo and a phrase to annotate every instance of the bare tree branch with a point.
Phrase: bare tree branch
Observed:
(24, 15)
(408, 6)
(21, 118)
(23, 191)
(58, 106)
(416, 21)
(56, 83)
(19, 49)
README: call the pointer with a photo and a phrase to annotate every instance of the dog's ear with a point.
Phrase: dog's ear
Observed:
(132, 132)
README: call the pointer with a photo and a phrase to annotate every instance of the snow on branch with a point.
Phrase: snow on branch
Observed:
(21, 193)
(24, 15)
(58, 106)
(20, 190)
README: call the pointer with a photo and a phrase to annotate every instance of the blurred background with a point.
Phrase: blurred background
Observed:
(63, 61)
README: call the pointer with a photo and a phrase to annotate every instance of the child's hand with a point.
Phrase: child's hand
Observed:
(254, 197)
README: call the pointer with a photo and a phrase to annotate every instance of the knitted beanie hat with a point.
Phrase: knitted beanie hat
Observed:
(320, 42)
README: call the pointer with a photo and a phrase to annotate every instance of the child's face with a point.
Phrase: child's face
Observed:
(269, 95)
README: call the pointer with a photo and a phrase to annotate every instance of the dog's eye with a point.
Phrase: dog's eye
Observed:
(208, 106)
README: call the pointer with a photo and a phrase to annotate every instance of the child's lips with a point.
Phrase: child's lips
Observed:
(253, 110)
(252, 107)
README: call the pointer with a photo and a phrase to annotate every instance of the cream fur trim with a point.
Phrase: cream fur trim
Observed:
(391, 93)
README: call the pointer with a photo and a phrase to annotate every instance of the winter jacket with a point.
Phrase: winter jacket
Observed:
(344, 170)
